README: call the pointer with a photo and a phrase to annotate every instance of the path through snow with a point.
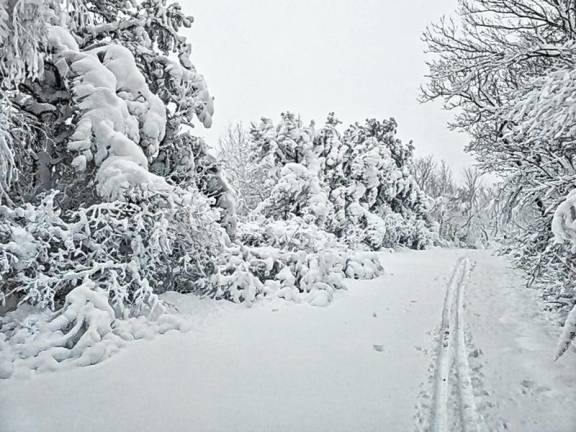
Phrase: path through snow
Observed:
(448, 340)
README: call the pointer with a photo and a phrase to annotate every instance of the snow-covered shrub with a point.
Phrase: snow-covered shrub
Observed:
(291, 259)
(297, 193)
(402, 232)
(132, 251)
(364, 229)
(100, 265)
(83, 332)
(362, 265)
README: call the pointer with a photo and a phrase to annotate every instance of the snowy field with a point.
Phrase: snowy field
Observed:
(371, 361)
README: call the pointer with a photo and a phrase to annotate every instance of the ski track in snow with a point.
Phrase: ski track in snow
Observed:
(287, 367)
(454, 406)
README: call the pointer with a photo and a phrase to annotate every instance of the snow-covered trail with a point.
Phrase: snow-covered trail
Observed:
(454, 405)
(517, 385)
(375, 360)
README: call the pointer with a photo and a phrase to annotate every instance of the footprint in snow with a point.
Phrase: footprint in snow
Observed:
(378, 348)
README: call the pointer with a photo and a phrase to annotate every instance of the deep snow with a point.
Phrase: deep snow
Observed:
(367, 362)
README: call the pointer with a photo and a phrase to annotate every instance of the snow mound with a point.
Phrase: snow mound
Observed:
(83, 332)
(564, 229)
(564, 221)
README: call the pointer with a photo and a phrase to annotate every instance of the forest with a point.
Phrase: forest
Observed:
(111, 203)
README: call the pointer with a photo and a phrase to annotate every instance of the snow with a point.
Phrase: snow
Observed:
(142, 103)
(59, 39)
(568, 334)
(121, 119)
(364, 363)
(22, 245)
(514, 343)
(564, 220)
(84, 332)
(118, 175)
(564, 229)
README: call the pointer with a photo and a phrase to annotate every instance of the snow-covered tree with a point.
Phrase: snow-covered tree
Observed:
(465, 211)
(245, 176)
(97, 103)
(356, 184)
(380, 181)
(108, 199)
(286, 152)
(507, 66)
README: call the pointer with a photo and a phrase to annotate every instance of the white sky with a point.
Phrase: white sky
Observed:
(358, 58)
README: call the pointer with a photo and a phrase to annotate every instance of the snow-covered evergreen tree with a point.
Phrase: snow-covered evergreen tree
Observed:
(286, 152)
(381, 191)
(357, 184)
(106, 197)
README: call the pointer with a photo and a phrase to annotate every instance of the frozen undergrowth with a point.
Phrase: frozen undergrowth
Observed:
(83, 332)
(291, 260)
(86, 330)
(108, 298)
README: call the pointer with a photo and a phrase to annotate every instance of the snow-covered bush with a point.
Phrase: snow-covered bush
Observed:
(346, 183)
(363, 228)
(297, 192)
(132, 251)
(291, 259)
(83, 332)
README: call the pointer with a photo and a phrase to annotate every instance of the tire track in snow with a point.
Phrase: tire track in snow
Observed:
(454, 405)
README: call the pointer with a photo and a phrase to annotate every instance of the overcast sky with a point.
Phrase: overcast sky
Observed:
(358, 58)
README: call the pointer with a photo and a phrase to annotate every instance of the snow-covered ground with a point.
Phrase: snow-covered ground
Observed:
(447, 340)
